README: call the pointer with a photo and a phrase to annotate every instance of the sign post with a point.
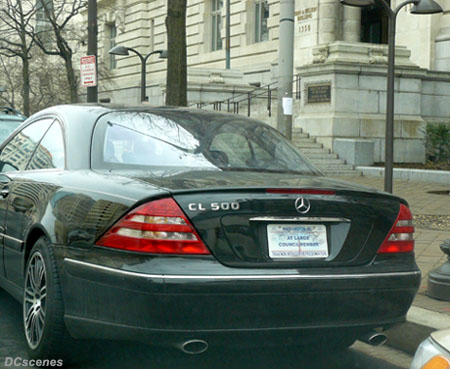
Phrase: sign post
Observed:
(92, 90)
(88, 71)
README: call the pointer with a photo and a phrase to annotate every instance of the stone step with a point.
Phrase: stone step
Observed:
(296, 135)
(314, 150)
(335, 167)
(296, 130)
(310, 144)
(327, 160)
(302, 140)
(320, 155)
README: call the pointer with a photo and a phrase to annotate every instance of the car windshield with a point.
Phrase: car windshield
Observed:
(212, 141)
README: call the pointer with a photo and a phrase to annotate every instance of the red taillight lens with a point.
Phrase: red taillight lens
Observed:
(400, 238)
(157, 227)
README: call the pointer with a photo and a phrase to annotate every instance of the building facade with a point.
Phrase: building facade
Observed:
(340, 55)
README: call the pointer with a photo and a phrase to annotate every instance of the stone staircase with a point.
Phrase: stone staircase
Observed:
(328, 162)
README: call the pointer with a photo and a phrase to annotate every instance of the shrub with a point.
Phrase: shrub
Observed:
(438, 142)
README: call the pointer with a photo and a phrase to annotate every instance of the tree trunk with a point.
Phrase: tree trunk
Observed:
(176, 87)
(26, 85)
(73, 88)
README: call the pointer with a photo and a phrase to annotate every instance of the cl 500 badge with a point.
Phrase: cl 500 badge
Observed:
(214, 206)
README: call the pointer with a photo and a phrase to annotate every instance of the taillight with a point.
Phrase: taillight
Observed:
(157, 227)
(400, 238)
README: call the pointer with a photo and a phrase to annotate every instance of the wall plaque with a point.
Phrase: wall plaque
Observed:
(319, 93)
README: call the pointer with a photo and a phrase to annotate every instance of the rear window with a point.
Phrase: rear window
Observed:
(192, 140)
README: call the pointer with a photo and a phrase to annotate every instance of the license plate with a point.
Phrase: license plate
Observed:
(288, 241)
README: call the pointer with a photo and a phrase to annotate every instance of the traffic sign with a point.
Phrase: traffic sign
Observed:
(88, 71)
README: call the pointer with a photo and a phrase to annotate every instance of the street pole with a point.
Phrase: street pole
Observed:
(285, 67)
(143, 76)
(227, 36)
(420, 7)
(92, 92)
(389, 139)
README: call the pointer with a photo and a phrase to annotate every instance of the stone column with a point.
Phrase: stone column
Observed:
(442, 51)
(328, 21)
(351, 24)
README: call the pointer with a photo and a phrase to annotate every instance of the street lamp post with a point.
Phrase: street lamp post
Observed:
(123, 50)
(420, 7)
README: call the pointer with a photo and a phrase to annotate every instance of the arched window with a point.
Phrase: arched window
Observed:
(216, 25)
(374, 24)
(261, 16)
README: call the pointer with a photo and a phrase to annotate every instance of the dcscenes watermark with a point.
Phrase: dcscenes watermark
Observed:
(18, 361)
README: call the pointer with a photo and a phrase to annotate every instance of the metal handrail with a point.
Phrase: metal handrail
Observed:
(235, 101)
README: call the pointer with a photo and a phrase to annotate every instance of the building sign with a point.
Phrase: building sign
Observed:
(88, 71)
(304, 17)
(305, 14)
(319, 93)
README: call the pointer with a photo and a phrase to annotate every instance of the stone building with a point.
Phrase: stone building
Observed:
(340, 57)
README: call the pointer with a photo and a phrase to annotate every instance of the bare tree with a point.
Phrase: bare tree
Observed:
(57, 33)
(47, 82)
(176, 93)
(10, 79)
(15, 18)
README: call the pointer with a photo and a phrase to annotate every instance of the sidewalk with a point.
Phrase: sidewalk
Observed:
(432, 220)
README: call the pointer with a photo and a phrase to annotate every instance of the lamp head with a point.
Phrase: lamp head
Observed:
(426, 7)
(163, 54)
(358, 3)
(119, 50)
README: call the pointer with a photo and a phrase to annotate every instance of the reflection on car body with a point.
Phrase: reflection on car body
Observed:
(162, 225)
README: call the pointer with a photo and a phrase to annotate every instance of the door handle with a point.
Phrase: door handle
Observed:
(4, 193)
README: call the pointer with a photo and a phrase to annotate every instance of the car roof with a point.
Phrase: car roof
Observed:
(95, 110)
(10, 114)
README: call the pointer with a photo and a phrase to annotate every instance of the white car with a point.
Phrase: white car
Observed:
(434, 352)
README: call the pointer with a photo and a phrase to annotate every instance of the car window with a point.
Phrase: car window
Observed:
(236, 144)
(17, 153)
(50, 152)
(128, 140)
(137, 145)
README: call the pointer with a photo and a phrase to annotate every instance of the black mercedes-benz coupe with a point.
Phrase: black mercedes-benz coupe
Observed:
(191, 228)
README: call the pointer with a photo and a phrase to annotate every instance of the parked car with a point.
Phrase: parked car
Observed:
(10, 119)
(434, 352)
(191, 228)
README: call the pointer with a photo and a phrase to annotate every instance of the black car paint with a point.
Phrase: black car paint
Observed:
(144, 307)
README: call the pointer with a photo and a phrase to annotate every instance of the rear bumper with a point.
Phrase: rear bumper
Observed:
(119, 304)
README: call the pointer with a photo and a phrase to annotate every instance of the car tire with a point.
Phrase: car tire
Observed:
(43, 308)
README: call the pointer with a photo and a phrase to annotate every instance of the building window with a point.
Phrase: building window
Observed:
(374, 24)
(42, 20)
(261, 16)
(216, 24)
(111, 35)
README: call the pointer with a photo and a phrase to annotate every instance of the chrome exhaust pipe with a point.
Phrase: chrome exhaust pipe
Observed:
(193, 347)
(373, 338)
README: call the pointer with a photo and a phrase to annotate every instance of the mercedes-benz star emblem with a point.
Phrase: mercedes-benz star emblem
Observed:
(302, 205)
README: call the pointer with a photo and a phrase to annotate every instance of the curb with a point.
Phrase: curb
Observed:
(418, 326)
(435, 176)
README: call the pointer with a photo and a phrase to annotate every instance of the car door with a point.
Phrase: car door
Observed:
(14, 158)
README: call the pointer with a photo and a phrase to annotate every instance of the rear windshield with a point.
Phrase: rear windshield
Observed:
(132, 140)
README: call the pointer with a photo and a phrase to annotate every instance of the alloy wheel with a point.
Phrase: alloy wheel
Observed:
(35, 298)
